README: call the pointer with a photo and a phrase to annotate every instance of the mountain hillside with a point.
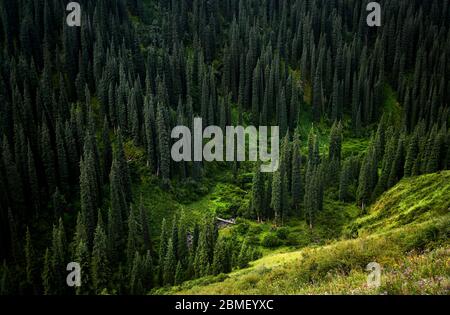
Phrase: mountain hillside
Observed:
(92, 170)
(407, 237)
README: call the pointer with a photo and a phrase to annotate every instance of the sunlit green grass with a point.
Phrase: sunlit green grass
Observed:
(406, 232)
(339, 268)
(412, 200)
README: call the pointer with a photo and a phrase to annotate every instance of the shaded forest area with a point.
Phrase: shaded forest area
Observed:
(72, 99)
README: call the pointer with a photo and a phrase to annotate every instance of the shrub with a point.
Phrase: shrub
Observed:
(270, 241)
(282, 233)
(255, 229)
(242, 228)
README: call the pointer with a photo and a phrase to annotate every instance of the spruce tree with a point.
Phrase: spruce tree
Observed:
(63, 168)
(277, 191)
(163, 141)
(169, 265)
(313, 148)
(311, 197)
(149, 127)
(256, 93)
(201, 261)
(134, 241)
(221, 262)
(33, 182)
(179, 274)
(174, 236)
(368, 178)
(47, 281)
(117, 212)
(411, 155)
(283, 116)
(345, 181)
(397, 168)
(107, 150)
(433, 152)
(335, 142)
(296, 181)
(145, 227)
(317, 95)
(58, 258)
(135, 286)
(122, 169)
(80, 232)
(258, 192)
(163, 243)
(183, 249)
(148, 272)
(82, 257)
(100, 267)
(31, 267)
(386, 165)
(88, 196)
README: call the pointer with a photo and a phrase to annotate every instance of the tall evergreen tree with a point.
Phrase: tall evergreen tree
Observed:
(368, 178)
(345, 181)
(335, 142)
(31, 267)
(149, 126)
(277, 191)
(179, 274)
(135, 286)
(317, 95)
(296, 181)
(107, 150)
(117, 211)
(83, 258)
(258, 192)
(88, 196)
(47, 274)
(183, 249)
(163, 243)
(221, 262)
(169, 265)
(386, 166)
(397, 168)
(135, 237)
(122, 169)
(100, 267)
(147, 272)
(163, 141)
(411, 155)
(201, 261)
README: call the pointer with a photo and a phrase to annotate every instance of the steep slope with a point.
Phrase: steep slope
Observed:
(413, 200)
(406, 232)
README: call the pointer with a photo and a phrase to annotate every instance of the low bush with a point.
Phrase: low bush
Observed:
(282, 233)
(270, 241)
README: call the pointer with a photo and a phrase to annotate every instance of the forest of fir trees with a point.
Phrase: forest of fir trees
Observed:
(74, 99)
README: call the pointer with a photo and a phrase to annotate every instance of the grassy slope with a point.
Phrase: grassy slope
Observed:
(415, 200)
(406, 232)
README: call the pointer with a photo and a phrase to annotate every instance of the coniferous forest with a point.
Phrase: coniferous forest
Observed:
(86, 173)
